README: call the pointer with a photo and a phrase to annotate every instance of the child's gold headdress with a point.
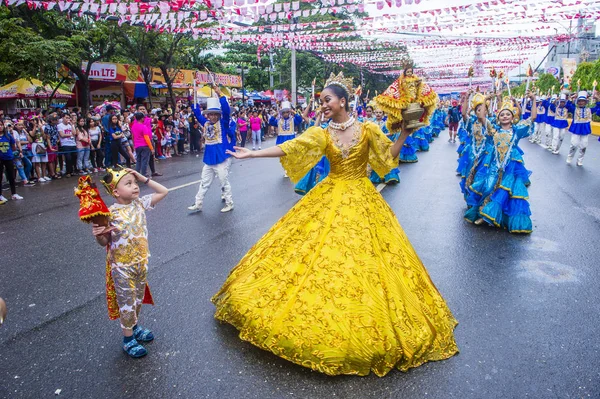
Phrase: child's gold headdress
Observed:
(112, 178)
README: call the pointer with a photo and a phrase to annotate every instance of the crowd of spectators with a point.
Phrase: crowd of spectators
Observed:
(53, 144)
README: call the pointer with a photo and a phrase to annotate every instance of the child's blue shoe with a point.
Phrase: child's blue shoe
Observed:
(142, 334)
(134, 349)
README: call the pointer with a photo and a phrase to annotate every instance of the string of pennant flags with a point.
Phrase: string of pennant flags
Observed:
(376, 35)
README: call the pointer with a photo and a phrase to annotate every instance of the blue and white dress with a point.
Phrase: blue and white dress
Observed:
(474, 147)
(316, 174)
(394, 175)
(497, 193)
(420, 138)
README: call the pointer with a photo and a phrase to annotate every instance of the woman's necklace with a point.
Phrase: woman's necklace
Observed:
(344, 147)
(343, 125)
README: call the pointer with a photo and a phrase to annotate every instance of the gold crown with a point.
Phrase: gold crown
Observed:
(477, 99)
(508, 105)
(408, 64)
(340, 80)
(115, 177)
(373, 104)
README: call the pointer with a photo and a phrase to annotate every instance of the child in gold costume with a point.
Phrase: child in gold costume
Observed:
(335, 285)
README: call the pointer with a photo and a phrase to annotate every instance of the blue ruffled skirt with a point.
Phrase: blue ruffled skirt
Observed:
(282, 139)
(582, 129)
(508, 206)
(313, 177)
(421, 140)
(408, 153)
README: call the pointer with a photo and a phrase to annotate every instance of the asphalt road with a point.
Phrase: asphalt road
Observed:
(527, 305)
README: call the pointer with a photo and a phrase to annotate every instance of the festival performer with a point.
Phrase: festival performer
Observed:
(559, 124)
(286, 125)
(478, 139)
(126, 239)
(527, 111)
(217, 140)
(581, 126)
(335, 285)
(550, 105)
(540, 121)
(321, 169)
(498, 189)
(393, 177)
(420, 137)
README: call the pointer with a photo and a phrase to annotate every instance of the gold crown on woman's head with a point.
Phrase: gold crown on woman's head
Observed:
(340, 80)
(508, 104)
(112, 178)
(477, 99)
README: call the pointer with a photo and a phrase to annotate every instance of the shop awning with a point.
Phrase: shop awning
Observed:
(24, 88)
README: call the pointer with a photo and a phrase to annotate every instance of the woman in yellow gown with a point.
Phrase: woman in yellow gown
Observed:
(335, 285)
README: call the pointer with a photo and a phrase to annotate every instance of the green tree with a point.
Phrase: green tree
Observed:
(24, 53)
(546, 82)
(587, 73)
(86, 40)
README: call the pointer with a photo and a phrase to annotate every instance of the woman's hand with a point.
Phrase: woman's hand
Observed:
(240, 153)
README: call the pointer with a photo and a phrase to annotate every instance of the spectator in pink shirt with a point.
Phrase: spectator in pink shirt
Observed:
(142, 142)
(255, 124)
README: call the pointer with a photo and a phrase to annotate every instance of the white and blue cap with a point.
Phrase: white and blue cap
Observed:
(213, 106)
(563, 97)
(554, 97)
(286, 106)
(582, 95)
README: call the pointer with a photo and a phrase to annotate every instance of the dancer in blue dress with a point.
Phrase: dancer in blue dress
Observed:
(420, 138)
(393, 177)
(498, 183)
(477, 140)
(320, 170)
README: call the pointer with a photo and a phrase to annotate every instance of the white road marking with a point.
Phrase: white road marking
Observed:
(185, 185)
(380, 187)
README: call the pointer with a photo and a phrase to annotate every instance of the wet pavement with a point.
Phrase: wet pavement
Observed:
(527, 305)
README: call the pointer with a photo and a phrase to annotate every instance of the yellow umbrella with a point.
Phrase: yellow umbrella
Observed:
(206, 92)
(24, 88)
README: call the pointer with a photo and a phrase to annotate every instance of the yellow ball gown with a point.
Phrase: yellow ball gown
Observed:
(335, 285)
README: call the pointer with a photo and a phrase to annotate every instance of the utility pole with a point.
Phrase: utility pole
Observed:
(271, 70)
(569, 44)
(294, 94)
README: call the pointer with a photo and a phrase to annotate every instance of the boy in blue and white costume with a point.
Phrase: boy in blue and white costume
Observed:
(527, 110)
(550, 105)
(560, 123)
(540, 121)
(581, 126)
(285, 126)
(217, 139)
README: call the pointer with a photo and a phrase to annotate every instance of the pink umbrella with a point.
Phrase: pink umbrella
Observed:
(102, 107)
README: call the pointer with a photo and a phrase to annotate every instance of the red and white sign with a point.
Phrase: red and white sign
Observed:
(101, 71)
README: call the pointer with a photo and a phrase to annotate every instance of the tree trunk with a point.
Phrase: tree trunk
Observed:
(169, 82)
(84, 94)
(146, 74)
(55, 90)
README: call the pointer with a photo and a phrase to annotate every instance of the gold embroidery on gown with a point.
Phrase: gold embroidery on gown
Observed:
(335, 284)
